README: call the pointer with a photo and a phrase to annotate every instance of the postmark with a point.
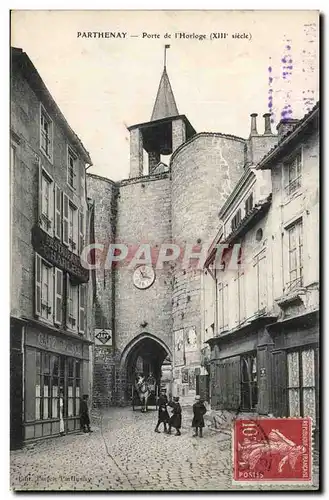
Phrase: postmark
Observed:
(277, 450)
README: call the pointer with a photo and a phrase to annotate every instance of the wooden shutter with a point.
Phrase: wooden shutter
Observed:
(262, 281)
(234, 301)
(68, 295)
(81, 231)
(219, 305)
(279, 383)
(82, 302)
(242, 295)
(225, 306)
(58, 296)
(213, 393)
(38, 284)
(65, 219)
(229, 384)
(40, 192)
(58, 212)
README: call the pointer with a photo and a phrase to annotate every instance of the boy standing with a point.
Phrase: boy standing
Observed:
(199, 410)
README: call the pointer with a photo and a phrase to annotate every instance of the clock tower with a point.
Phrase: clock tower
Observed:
(161, 136)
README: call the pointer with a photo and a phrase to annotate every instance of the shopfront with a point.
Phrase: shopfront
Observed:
(56, 375)
(240, 369)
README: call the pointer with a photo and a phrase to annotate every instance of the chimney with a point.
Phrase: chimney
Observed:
(253, 127)
(267, 119)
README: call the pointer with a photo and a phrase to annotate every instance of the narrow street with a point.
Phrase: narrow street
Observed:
(124, 453)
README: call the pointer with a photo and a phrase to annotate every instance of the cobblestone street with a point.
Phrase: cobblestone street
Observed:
(124, 453)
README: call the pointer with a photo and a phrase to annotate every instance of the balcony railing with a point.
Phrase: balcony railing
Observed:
(294, 284)
(294, 185)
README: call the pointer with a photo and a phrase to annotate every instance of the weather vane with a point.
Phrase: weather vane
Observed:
(165, 54)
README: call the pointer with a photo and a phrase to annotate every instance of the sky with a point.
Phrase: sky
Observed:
(103, 85)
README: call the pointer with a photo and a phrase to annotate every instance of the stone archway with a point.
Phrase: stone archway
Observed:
(146, 353)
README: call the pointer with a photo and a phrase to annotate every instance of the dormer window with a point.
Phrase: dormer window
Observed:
(46, 131)
(71, 168)
(294, 173)
(249, 203)
(236, 220)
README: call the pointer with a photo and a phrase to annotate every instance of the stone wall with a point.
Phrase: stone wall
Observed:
(144, 216)
(25, 138)
(103, 194)
(204, 172)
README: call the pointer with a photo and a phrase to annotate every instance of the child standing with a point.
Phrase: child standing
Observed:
(199, 410)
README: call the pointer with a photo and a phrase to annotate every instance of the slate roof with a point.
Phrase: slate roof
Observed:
(253, 215)
(165, 104)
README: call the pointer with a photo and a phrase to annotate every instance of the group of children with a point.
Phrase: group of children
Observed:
(175, 420)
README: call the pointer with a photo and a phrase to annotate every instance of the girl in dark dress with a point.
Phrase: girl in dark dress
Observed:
(199, 410)
(163, 415)
(176, 417)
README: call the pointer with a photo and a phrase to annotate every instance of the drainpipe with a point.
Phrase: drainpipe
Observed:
(23, 372)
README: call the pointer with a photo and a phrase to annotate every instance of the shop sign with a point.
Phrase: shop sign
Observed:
(58, 254)
(103, 337)
(63, 346)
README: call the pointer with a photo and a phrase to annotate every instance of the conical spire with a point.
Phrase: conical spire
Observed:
(165, 105)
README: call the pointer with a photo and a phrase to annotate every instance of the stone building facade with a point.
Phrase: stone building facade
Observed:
(50, 330)
(261, 318)
(172, 199)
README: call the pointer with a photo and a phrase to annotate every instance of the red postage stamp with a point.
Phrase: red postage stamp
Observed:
(272, 450)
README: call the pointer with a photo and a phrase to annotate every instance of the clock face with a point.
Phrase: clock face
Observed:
(143, 277)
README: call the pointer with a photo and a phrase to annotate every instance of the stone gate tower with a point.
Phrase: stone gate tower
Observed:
(174, 196)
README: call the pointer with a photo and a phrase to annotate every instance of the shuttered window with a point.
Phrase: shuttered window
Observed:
(65, 219)
(58, 302)
(73, 228)
(37, 295)
(58, 212)
(43, 289)
(222, 305)
(81, 231)
(46, 200)
(72, 305)
(82, 308)
(260, 275)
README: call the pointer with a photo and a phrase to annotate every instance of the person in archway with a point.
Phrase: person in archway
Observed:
(199, 410)
(176, 417)
(163, 415)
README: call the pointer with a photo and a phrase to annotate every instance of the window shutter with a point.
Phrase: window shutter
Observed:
(228, 384)
(51, 208)
(234, 302)
(242, 295)
(279, 381)
(81, 231)
(58, 303)
(226, 305)
(58, 212)
(68, 295)
(76, 230)
(220, 299)
(262, 282)
(40, 193)
(82, 301)
(65, 219)
(37, 285)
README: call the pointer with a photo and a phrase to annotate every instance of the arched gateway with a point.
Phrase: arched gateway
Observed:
(146, 355)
